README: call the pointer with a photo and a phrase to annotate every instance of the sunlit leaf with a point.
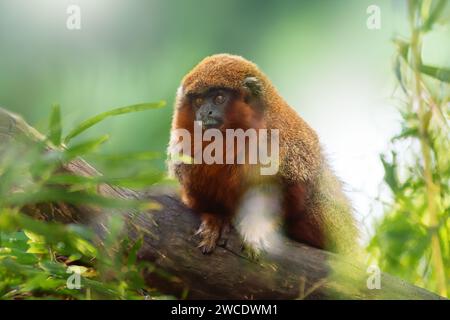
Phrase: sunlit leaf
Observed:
(406, 133)
(119, 111)
(390, 173)
(434, 16)
(441, 74)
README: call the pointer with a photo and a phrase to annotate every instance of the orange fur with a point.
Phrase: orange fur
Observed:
(315, 210)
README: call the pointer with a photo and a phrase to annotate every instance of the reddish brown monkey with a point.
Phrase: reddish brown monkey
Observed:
(228, 92)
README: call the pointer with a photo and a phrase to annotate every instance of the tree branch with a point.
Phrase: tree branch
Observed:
(292, 271)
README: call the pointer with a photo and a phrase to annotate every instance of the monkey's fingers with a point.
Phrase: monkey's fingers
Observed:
(251, 252)
(208, 242)
(209, 232)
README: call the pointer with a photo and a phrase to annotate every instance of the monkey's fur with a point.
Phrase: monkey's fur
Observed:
(313, 206)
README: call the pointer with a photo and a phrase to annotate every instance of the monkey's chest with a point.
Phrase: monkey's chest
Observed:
(213, 187)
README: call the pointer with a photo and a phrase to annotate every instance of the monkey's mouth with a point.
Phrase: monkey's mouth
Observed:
(211, 123)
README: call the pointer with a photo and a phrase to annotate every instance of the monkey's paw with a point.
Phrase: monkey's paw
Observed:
(213, 232)
(256, 239)
(252, 252)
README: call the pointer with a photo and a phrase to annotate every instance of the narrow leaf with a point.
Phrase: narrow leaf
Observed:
(84, 148)
(437, 73)
(55, 125)
(76, 198)
(100, 117)
(390, 174)
(437, 11)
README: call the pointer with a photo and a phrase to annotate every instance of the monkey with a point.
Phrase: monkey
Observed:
(226, 91)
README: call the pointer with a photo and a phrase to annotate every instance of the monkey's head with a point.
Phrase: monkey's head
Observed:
(223, 91)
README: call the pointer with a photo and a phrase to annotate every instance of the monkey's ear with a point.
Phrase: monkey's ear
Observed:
(254, 86)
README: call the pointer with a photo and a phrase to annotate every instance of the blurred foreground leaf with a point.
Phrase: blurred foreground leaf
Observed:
(115, 112)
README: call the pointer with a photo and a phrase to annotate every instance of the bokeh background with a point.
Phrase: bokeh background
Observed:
(321, 56)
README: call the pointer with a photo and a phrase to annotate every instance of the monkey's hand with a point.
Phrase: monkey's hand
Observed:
(252, 252)
(213, 231)
(255, 241)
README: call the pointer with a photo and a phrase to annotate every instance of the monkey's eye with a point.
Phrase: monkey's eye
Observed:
(219, 99)
(198, 101)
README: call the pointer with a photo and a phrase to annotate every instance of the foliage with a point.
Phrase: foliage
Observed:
(41, 259)
(413, 238)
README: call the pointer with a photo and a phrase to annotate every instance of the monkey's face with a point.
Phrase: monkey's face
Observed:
(219, 108)
(212, 106)
(223, 92)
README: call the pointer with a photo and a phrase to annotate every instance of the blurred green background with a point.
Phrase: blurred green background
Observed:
(324, 60)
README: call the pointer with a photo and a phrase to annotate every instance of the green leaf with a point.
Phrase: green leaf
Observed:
(390, 173)
(132, 257)
(406, 133)
(442, 74)
(84, 147)
(70, 179)
(402, 48)
(33, 237)
(38, 248)
(80, 198)
(139, 181)
(129, 156)
(136, 181)
(100, 117)
(437, 11)
(398, 73)
(55, 127)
